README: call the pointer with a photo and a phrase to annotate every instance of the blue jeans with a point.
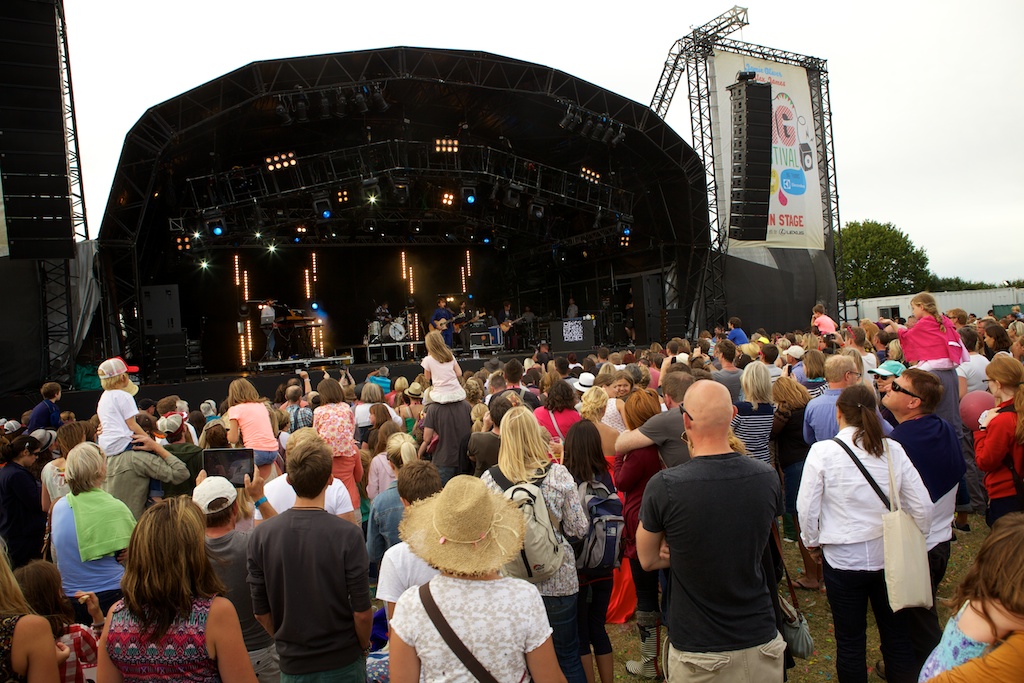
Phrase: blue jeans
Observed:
(848, 594)
(447, 473)
(562, 618)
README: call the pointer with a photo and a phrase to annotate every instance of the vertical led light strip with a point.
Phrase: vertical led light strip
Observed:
(245, 285)
(469, 269)
(462, 270)
(238, 281)
(412, 284)
(416, 326)
(309, 291)
(248, 334)
(314, 266)
(404, 272)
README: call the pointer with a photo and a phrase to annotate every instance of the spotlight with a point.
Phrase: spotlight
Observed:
(322, 207)
(371, 190)
(590, 175)
(325, 106)
(512, 196)
(315, 306)
(535, 210)
(609, 133)
(598, 130)
(618, 138)
(342, 196)
(447, 145)
(378, 101)
(359, 100)
(447, 198)
(340, 103)
(469, 194)
(218, 230)
(280, 161)
(297, 240)
(567, 119)
(302, 109)
(282, 113)
(587, 127)
(204, 264)
(401, 187)
(577, 119)
(272, 248)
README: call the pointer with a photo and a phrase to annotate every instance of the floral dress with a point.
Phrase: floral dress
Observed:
(180, 655)
(7, 674)
(336, 424)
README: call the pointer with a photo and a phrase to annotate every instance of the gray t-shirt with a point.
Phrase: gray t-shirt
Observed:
(731, 380)
(230, 553)
(452, 422)
(721, 600)
(666, 431)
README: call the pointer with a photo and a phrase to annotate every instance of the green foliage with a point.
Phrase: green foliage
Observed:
(955, 284)
(879, 259)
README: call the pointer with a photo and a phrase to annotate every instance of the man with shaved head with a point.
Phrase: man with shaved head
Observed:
(709, 522)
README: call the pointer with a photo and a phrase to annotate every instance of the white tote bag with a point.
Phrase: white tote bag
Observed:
(907, 576)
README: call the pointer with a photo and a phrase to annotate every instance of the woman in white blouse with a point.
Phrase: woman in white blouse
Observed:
(841, 524)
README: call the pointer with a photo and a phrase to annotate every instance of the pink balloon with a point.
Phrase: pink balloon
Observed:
(973, 405)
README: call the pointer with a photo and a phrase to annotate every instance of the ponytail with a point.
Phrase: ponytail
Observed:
(13, 449)
(857, 404)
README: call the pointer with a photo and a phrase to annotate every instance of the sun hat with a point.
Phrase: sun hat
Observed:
(890, 368)
(585, 381)
(414, 390)
(45, 437)
(209, 490)
(464, 529)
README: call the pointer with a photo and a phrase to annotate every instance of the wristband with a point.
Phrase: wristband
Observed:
(261, 501)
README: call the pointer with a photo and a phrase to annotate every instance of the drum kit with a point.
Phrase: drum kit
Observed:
(393, 331)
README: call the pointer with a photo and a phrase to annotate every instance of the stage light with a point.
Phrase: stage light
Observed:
(297, 240)
(487, 240)
(401, 188)
(618, 138)
(598, 130)
(446, 145)
(204, 264)
(359, 100)
(282, 113)
(302, 109)
(280, 161)
(512, 196)
(342, 196)
(258, 235)
(272, 248)
(371, 190)
(196, 235)
(535, 210)
(315, 306)
(590, 175)
(447, 198)
(218, 230)
(325, 106)
(322, 207)
(609, 133)
(378, 101)
(340, 103)
(469, 194)
(567, 119)
(587, 127)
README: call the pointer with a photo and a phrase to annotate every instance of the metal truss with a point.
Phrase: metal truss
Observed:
(55, 275)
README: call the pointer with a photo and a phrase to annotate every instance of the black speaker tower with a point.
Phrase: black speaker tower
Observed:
(751, 167)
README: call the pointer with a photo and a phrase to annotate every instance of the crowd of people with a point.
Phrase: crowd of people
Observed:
(493, 515)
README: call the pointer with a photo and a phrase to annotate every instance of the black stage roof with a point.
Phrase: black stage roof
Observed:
(367, 124)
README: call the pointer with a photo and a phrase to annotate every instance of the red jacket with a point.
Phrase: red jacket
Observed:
(991, 445)
(632, 472)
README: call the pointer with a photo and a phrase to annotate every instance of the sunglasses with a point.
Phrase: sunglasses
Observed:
(683, 411)
(903, 390)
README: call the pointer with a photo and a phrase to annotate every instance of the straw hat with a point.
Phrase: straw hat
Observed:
(465, 529)
(414, 390)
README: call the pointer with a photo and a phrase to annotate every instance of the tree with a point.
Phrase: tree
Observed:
(955, 284)
(879, 259)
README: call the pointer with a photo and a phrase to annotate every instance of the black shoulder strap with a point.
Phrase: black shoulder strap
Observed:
(863, 470)
(499, 478)
(1018, 483)
(453, 641)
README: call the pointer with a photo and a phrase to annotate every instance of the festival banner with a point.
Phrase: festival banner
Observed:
(795, 206)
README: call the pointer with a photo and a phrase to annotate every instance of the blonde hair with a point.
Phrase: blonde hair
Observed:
(436, 347)
(858, 360)
(927, 302)
(789, 395)
(523, 455)
(606, 369)
(894, 350)
(241, 390)
(751, 349)
(401, 448)
(12, 600)
(112, 383)
(85, 468)
(1010, 373)
(477, 415)
(756, 383)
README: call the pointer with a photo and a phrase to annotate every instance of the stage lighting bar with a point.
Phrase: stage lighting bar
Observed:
(404, 271)
(238, 273)
(309, 291)
(416, 323)
(448, 199)
(590, 175)
(462, 271)
(245, 285)
(243, 358)
(469, 269)
(183, 243)
(342, 196)
(412, 283)
(280, 161)
(446, 145)
(248, 334)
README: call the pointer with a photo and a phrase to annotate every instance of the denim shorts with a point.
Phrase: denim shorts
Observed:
(264, 457)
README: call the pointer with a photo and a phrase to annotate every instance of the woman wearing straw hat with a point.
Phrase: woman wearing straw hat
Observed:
(523, 457)
(468, 533)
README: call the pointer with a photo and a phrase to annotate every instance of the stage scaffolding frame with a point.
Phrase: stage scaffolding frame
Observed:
(691, 54)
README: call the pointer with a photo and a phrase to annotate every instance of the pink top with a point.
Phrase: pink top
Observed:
(825, 325)
(655, 377)
(925, 341)
(254, 422)
(565, 418)
(442, 375)
(381, 475)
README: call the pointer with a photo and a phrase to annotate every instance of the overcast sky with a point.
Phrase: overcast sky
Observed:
(926, 111)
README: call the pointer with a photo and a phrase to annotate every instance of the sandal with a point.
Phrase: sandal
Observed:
(799, 583)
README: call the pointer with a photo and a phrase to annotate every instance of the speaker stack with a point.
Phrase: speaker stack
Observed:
(751, 104)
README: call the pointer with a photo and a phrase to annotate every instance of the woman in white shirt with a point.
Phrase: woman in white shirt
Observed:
(841, 524)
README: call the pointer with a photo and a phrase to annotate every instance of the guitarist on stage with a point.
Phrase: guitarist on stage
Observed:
(506, 318)
(462, 322)
(442, 319)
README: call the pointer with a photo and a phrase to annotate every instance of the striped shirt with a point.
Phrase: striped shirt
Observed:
(754, 427)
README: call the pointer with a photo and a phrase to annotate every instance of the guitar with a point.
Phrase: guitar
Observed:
(507, 325)
(463, 322)
(440, 325)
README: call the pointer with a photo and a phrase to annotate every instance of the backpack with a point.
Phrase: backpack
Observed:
(542, 553)
(601, 548)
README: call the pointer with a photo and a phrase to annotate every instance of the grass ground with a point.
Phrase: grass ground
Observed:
(821, 666)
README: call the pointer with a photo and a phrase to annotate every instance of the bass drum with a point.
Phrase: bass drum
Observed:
(396, 331)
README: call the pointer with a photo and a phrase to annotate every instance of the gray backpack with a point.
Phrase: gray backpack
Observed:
(542, 553)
